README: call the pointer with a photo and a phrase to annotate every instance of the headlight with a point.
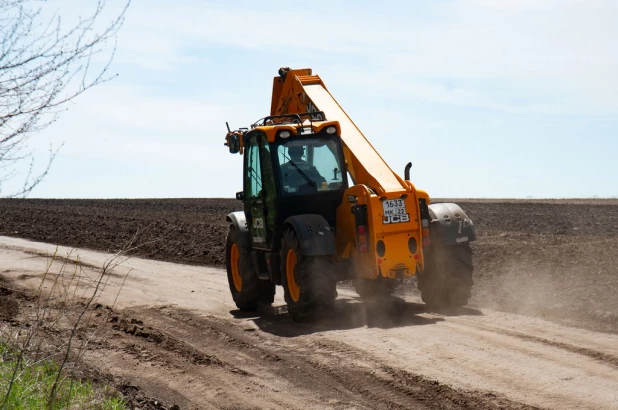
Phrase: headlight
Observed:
(331, 130)
(285, 134)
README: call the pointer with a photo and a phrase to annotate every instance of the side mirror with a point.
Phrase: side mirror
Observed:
(240, 196)
(233, 143)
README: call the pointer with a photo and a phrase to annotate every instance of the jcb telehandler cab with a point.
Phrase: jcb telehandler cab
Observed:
(305, 228)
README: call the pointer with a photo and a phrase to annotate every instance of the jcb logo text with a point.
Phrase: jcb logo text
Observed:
(258, 223)
(395, 219)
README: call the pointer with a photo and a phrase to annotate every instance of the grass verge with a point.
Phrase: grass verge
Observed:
(35, 380)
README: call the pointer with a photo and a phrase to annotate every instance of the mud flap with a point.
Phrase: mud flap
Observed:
(315, 235)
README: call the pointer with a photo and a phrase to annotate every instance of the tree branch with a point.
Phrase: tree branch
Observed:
(44, 64)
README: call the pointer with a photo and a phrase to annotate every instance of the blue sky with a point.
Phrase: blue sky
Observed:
(487, 98)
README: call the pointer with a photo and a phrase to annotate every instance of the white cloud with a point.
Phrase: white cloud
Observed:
(491, 53)
(134, 108)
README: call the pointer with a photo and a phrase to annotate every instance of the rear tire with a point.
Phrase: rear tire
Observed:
(446, 281)
(309, 284)
(248, 291)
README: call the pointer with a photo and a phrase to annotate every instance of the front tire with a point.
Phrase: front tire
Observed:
(309, 285)
(248, 291)
(446, 281)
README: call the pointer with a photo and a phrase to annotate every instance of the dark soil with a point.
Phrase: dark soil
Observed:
(556, 259)
(551, 258)
(189, 231)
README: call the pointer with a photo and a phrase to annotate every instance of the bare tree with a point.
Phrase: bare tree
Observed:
(44, 64)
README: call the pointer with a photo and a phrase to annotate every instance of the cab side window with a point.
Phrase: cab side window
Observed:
(253, 181)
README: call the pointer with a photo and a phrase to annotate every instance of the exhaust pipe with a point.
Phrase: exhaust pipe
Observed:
(406, 173)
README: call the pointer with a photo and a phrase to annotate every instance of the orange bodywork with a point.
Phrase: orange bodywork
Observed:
(299, 91)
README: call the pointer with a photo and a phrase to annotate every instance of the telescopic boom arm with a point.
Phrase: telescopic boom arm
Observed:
(298, 91)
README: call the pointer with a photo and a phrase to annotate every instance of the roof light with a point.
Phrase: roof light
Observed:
(285, 134)
(331, 130)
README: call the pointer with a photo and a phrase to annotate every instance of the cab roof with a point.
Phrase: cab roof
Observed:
(304, 129)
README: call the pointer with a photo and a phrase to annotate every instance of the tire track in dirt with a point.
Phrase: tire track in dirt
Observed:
(602, 357)
(335, 374)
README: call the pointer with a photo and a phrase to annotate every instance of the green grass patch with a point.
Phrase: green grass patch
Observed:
(33, 383)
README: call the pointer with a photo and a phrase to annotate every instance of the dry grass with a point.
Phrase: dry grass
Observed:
(43, 344)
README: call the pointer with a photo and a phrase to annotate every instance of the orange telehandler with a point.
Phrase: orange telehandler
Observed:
(321, 206)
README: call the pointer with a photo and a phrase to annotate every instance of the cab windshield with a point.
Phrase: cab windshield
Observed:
(309, 165)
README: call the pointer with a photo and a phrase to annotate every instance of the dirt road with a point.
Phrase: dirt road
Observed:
(172, 335)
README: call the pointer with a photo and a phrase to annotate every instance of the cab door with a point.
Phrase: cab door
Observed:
(259, 190)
